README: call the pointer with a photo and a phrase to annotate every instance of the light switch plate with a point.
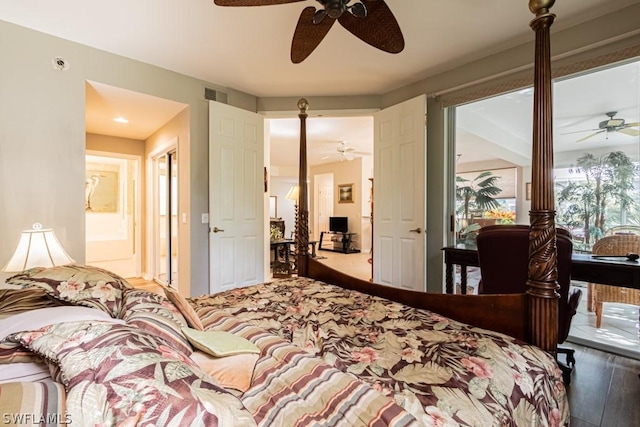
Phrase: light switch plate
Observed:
(205, 218)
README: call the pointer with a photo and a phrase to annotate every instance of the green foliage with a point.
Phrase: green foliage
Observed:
(477, 194)
(609, 182)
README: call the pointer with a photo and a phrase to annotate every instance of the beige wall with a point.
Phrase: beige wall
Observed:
(344, 173)
(42, 137)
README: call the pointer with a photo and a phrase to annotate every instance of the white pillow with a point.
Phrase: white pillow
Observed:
(23, 372)
(35, 319)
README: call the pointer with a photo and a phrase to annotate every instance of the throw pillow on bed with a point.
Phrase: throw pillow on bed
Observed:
(220, 343)
(231, 372)
(116, 374)
(78, 284)
(155, 314)
(185, 308)
(15, 301)
(13, 352)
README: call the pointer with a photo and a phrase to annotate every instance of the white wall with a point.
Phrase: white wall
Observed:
(279, 186)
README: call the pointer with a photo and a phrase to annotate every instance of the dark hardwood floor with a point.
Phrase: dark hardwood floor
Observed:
(604, 389)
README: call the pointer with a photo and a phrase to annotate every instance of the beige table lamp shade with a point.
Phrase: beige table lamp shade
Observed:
(38, 247)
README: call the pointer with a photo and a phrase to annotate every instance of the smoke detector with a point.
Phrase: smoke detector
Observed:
(60, 64)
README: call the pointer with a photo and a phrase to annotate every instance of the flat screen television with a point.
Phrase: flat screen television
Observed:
(339, 224)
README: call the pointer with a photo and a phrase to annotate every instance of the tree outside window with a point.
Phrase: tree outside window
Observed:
(599, 198)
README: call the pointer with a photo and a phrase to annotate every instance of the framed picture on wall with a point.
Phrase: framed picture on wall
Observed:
(345, 193)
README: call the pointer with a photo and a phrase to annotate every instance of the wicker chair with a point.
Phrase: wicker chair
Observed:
(619, 244)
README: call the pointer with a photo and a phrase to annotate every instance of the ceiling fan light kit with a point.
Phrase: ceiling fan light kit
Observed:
(370, 20)
(610, 125)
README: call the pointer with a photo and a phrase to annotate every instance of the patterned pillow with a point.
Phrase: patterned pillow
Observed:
(12, 352)
(155, 314)
(185, 308)
(77, 284)
(131, 378)
(15, 301)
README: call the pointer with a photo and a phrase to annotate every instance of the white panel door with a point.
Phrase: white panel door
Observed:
(399, 209)
(236, 197)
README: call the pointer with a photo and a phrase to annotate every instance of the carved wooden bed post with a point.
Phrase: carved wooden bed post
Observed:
(532, 317)
(542, 280)
(302, 226)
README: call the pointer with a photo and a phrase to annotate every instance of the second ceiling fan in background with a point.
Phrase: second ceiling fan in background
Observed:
(370, 20)
(612, 124)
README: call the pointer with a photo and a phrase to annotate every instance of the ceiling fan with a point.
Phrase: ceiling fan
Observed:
(612, 124)
(369, 20)
(345, 152)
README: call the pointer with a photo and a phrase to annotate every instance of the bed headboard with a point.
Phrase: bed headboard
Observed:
(541, 294)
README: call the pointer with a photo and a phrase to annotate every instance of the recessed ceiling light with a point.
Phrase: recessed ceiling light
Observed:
(121, 120)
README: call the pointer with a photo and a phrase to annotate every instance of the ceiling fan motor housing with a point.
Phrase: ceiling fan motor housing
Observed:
(334, 8)
(611, 123)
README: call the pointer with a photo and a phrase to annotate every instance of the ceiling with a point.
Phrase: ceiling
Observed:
(214, 44)
(247, 48)
(502, 127)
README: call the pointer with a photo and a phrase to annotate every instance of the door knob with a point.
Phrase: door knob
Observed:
(216, 230)
(416, 230)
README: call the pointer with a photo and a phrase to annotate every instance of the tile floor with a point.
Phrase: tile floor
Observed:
(619, 334)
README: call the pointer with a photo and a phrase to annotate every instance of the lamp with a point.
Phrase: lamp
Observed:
(294, 193)
(38, 247)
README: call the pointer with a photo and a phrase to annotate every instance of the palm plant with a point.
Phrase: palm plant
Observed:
(477, 194)
(609, 180)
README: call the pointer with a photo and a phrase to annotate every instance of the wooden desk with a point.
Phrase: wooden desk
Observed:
(280, 262)
(616, 272)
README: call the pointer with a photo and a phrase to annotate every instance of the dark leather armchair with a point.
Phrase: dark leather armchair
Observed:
(503, 253)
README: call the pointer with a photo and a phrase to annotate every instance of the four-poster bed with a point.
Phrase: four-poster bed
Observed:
(531, 316)
(327, 349)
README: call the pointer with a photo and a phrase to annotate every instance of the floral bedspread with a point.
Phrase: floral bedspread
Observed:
(116, 374)
(443, 372)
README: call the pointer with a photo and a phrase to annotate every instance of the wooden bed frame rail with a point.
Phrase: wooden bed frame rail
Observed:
(532, 316)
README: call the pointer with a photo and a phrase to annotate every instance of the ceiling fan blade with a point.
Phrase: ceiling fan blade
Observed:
(252, 2)
(308, 35)
(631, 125)
(379, 28)
(630, 132)
(348, 156)
(579, 131)
(589, 136)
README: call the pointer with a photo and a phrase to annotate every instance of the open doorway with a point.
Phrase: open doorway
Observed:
(112, 212)
(123, 129)
(339, 151)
